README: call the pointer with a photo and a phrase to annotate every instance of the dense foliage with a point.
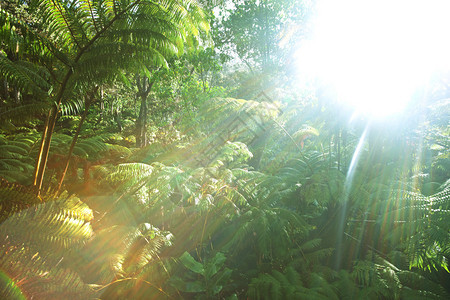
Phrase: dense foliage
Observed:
(140, 160)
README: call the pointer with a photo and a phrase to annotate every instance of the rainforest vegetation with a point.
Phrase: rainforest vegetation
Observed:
(166, 149)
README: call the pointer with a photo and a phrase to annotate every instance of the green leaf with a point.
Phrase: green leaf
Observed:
(147, 72)
(189, 262)
(125, 80)
(222, 279)
(215, 265)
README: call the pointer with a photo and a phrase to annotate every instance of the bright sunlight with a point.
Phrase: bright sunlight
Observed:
(376, 54)
(166, 149)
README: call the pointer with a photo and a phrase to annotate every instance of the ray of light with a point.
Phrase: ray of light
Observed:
(347, 185)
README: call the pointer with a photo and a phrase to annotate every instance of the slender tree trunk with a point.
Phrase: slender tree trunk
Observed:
(259, 145)
(117, 119)
(141, 126)
(330, 147)
(48, 133)
(203, 79)
(102, 107)
(267, 44)
(144, 87)
(141, 123)
(41, 149)
(89, 100)
(16, 96)
(45, 147)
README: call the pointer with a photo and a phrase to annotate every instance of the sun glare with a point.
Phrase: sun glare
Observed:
(376, 54)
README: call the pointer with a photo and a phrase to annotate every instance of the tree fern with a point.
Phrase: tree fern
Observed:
(423, 228)
(91, 43)
(40, 239)
(379, 278)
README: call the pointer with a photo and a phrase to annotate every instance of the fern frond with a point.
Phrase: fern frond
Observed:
(288, 285)
(23, 113)
(137, 171)
(14, 198)
(56, 21)
(54, 225)
(16, 165)
(123, 251)
(25, 76)
(416, 286)
(38, 237)
(420, 223)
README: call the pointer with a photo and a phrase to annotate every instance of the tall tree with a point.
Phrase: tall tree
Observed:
(82, 43)
(260, 32)
(144, 85)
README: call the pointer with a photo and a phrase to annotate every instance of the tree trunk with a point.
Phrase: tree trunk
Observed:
(89, 100)
(48, 133)
(117, 120)
(144, 87)
(16, 96)
(141, 123)
(45, 147)
(259, 145)
(41, 149)
(102, 108)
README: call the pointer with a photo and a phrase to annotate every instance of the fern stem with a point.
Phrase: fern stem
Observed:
(47, 138)
(103, 30)
(89, 101)
(41, 147)
(92, 16)
(44, 150)
(67, 23)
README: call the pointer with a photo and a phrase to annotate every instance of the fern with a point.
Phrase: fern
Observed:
(38, 239)
(423, 228)
(16, 165)
(288, 285)
(25, 76)
(14, 198)
(379, 278)
(21, 114)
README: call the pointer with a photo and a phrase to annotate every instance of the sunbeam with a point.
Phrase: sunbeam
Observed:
(347, 188)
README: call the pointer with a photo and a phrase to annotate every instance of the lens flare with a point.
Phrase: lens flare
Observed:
(376, 54)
